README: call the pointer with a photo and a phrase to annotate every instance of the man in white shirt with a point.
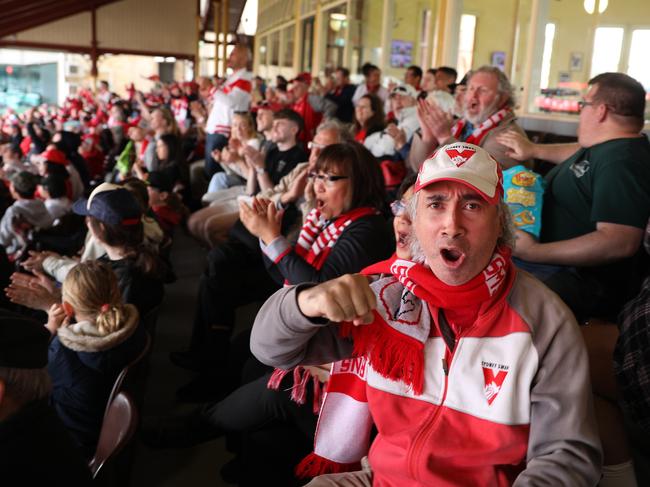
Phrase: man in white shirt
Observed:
(234, 96)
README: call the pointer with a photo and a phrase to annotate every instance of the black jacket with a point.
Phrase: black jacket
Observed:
(36, 449)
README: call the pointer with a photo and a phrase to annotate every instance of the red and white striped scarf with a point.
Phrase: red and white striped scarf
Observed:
(346, 385)
(479, 132)
(317, 236)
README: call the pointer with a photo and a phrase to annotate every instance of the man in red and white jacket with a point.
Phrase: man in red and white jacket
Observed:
(475, 373)
(234, 96)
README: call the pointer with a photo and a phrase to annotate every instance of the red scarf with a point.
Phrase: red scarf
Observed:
(401, 358)
(372, 90)
(479, 132)
(395, 349)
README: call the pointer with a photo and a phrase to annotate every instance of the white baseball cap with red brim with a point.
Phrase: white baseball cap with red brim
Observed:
(467, 164)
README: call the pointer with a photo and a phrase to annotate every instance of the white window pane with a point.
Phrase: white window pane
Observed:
(608, 42)
(466, 44)
(549, 35)
(638, 66)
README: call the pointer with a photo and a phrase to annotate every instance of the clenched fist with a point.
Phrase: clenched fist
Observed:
(347, 298)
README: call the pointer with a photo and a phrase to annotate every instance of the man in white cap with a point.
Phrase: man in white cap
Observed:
(474, 374)
(403, 124)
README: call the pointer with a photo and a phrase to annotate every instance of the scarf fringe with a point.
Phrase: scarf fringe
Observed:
(301, 377)
(276, 379)
(390, 353)
(314, 465)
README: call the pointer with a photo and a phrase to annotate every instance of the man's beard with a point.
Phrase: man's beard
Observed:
(483, 115)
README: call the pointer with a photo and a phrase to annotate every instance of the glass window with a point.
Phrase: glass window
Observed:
(425, 35)
(638, 66)
(275, 49)
(589, 38)
(549, 36)
(336, 25)
(288, 46)
(263, 51)
(466, 44)
(606, 52)
(307, 44)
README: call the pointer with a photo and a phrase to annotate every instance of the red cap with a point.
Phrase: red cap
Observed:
(55, 156)
(267, 105)
(303, 77)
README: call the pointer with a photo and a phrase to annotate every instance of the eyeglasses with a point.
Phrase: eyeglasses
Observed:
(314, 145)
(398, 207)
(610, 108)
(584, 103)
(327, 179)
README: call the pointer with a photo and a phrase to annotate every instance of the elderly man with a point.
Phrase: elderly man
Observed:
(403, 100)
(473, 373)
(488, 111)
(234, 96)
(597, 201)
(35, 447)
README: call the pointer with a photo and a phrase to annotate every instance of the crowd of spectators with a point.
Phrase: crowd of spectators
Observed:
(292, 186)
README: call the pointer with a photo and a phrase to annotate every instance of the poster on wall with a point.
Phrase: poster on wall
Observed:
(498, 60)
(401, 54)
(575, 61)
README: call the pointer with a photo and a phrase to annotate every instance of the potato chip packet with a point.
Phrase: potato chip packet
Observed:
(523, 190)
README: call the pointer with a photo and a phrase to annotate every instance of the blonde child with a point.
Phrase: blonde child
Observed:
(95, 336)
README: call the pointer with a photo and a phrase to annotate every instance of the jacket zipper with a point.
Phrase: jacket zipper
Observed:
(429, 425)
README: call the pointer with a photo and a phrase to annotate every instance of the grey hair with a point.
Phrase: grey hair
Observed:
(505, 87)
(342, 130)
(507, 237)
(26, 385)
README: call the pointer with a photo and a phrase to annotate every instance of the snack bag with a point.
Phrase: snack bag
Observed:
(523, 190)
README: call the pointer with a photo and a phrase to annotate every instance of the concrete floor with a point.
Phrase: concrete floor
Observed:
(198, 466)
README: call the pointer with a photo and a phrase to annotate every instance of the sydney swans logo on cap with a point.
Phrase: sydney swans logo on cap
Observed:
(460, 154)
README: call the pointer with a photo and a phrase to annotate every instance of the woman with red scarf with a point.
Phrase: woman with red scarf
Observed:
(368, 117)
(340, 232)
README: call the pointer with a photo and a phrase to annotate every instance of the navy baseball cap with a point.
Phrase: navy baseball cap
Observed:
(111, 204)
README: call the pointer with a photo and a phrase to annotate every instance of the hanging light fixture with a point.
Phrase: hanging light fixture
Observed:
(602, 6)
(590, 6)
